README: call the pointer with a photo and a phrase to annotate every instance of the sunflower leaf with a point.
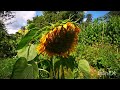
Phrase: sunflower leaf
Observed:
(22, 70)
(35, 69)
(84, 67)
(24, 52)
(27, 38)
(32, 52)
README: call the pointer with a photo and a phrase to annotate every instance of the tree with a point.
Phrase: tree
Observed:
(113, 13)
(62, 15)
(6, 15)
(89, 18)
(112, 31)
(107, 16)
(54, 16)
(7, 41)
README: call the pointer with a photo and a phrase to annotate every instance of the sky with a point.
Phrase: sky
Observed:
(96, 14)
(22, 17)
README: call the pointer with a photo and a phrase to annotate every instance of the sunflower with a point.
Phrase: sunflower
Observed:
(60, 41)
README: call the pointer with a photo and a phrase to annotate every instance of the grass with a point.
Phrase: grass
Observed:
(6, 66)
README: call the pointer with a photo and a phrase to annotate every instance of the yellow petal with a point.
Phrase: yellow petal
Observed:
(59, 27)
(65, 26)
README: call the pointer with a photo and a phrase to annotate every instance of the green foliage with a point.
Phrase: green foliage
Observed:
(23, 52)
(113, 13)
(6, 67)
(23, 70)
(27, 38)
(35, 69)
(30, 26)
(84, 67)
(7, 43)
(89, 18)
(55, 16)
(93, 33)
(19, 67)
(113, 30)
(28, 52)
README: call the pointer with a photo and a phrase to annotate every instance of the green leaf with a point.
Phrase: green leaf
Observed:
(27, 38)
(22, 70)
(19, 67)
(24, 52)
(42, 32)
(32, 52)
(35, 69)
(30, 26)
(28, 73)
(84, 68)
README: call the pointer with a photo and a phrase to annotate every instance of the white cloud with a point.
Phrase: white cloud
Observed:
(20, 19)
(85, 11)
(84, 19)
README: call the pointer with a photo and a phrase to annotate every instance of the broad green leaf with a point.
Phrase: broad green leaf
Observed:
(84, 68)
(27, 38)
(22, 70)
(18, 68)
(28, 73)
(24, 52)
(32, 52)
(30, 26)
(35, 69)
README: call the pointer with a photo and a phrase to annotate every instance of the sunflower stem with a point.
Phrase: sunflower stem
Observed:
(62, 69)
(52, 72)
(58, 71)
(53, 69)
(62, 76)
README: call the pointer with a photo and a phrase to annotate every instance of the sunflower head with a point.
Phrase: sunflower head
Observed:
(60, 41)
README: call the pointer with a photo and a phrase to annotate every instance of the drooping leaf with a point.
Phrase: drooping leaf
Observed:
(42, 32)
(84, 68)
(67, 62)
(30, 26)
(27, 38)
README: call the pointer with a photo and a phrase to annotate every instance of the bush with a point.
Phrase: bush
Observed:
(6, 66)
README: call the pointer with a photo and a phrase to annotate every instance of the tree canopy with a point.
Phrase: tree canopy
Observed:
(54, 16)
